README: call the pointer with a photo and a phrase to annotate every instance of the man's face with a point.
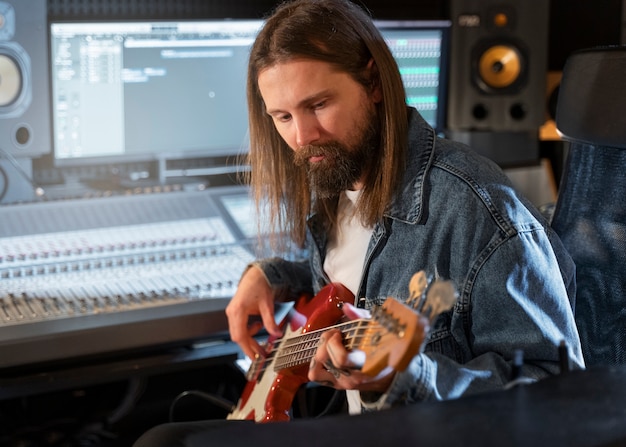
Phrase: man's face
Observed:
(327, 118)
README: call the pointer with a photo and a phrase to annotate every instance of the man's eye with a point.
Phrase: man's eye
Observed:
(281, 118)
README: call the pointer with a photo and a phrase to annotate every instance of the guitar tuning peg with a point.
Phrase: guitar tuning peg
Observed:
(441, 296)
(417, 286)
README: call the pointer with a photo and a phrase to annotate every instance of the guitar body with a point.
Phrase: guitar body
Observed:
(390, 338)
(268, 395)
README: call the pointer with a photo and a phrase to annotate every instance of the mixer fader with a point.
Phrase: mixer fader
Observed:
(84, 277)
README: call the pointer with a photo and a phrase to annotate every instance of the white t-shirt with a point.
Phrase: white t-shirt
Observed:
(345, 256)
(346, 249)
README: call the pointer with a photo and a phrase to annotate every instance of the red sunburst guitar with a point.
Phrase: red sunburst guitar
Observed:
(392, 336)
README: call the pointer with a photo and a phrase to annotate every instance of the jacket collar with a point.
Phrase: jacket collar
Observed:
(408, 205)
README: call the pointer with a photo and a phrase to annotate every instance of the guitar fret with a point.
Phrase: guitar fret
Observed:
(297, 350)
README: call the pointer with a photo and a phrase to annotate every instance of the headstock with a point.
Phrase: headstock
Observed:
(397, 331)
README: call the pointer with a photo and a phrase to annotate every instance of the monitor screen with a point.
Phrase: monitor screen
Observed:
(133, 91)
(126, 91)
(421, 50)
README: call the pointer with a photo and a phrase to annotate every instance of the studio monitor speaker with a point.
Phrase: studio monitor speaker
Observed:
(498, 65)
(24, 73)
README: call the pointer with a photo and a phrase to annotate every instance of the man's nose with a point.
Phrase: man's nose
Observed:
(307, 131)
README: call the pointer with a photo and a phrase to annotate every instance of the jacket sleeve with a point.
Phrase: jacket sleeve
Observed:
(290, 279)
(516, 303)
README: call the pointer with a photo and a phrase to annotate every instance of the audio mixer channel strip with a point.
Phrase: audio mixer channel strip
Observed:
(87, 277)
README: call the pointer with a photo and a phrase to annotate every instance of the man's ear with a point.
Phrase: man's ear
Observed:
(374, 76)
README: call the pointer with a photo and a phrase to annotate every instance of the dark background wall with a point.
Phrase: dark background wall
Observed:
(574, 24)
(578, 24)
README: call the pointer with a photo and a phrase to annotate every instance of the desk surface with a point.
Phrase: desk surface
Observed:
(579, 408)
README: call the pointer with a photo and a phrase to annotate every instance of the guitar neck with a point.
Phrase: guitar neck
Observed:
(300, 349)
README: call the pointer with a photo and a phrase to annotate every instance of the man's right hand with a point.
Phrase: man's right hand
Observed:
(254, 297)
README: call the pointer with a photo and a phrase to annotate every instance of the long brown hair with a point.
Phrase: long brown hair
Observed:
(340, 33)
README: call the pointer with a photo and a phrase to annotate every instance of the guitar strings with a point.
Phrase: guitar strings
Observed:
(260, 364)
(296, 353)
(300, 349)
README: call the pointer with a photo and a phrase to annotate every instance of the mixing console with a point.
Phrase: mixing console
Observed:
(103, 275)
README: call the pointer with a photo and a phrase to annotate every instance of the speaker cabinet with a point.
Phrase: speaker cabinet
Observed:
(498, 65)
(15, 186)
(24, 93)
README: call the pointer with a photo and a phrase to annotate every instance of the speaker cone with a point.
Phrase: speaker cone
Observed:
(10, 80)
(500, 66)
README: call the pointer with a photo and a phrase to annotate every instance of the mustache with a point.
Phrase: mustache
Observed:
(328, 150)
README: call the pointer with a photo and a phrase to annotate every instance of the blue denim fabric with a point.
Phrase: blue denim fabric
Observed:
(458, 217)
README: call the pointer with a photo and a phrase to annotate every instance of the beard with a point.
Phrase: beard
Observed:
(343, 164)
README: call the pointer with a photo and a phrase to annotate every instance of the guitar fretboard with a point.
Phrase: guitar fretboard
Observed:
(298, 350)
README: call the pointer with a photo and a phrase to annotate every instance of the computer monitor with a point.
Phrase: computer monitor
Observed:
(421, 50)
(145, 90)
(136, 91)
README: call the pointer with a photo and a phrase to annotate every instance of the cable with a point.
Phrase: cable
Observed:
(38, 190)
(5, 182)
(136, 388)
(220, 402)
(516, 373)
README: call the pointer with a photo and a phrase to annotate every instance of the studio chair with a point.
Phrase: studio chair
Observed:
(590, 212)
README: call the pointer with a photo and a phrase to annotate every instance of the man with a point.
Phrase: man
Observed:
(331, 137)
(360, 178)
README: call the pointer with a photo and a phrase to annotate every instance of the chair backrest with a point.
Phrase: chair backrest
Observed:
(590, 213)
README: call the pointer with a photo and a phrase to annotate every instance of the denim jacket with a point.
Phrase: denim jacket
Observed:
(459, 218)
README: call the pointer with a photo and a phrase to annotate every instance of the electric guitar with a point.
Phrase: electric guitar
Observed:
(393, 335)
